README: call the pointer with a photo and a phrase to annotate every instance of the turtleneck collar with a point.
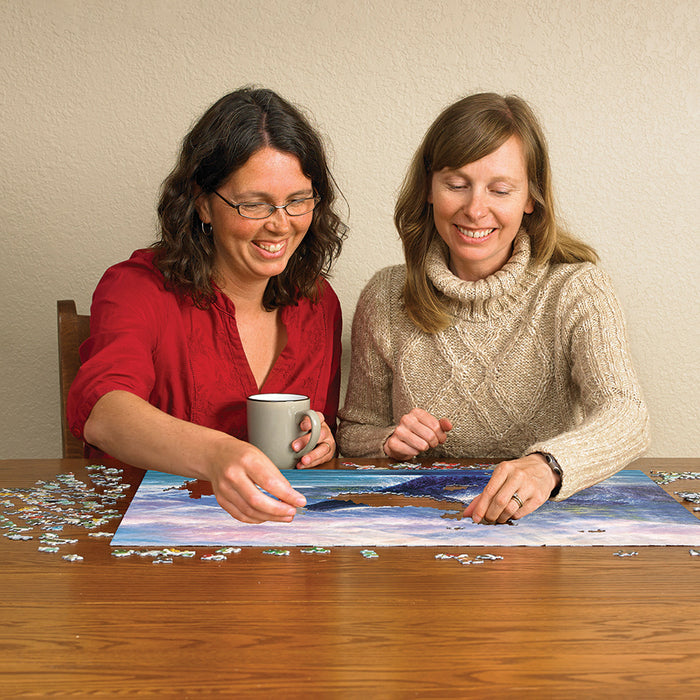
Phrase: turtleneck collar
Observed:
(488, 297)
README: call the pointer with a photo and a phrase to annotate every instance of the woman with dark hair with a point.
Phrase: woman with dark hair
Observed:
(231, 300)
(499, 337)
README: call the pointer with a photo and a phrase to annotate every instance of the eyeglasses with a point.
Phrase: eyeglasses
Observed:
(261, 210)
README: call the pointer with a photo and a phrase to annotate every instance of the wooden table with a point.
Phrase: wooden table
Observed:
(543, 622)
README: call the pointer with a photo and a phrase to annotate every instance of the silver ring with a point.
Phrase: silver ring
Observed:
(516, 498)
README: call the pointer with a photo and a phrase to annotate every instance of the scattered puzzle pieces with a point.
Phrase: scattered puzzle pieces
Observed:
(49, 506)
(689, 496)
(662, 477)
(467, 560)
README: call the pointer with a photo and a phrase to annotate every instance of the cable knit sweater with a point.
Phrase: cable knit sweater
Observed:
(535, 360)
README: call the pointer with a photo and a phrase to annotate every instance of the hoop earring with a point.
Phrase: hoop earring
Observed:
(207, 229)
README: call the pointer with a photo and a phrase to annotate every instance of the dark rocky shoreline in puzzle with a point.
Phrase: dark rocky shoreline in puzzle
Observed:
(435, 486)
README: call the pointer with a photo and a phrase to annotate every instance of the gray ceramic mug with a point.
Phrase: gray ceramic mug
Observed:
(273, 424)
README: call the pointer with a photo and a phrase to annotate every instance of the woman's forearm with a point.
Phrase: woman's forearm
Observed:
(130, 429)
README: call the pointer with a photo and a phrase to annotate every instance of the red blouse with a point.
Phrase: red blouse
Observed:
(190, 362)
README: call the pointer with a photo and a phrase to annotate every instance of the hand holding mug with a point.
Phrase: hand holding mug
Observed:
(275, 423)
(324, 450)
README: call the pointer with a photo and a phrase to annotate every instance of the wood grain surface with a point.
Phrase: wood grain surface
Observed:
(543, 622)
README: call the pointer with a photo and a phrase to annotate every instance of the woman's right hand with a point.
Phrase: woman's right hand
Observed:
(238, 472)
(128, 428)
(416, 432)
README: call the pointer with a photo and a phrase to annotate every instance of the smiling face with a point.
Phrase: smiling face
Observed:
(251, 251)
(478, 209)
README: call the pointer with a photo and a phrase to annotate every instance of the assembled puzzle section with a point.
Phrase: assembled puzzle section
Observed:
(407, 507)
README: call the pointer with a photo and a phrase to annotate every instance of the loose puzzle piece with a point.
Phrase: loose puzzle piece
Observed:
(315, 550)
(467, 560)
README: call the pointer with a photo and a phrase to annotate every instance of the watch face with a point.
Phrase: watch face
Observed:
(553, 464)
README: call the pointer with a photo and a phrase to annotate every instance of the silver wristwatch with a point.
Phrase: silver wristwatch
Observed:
(554, 466)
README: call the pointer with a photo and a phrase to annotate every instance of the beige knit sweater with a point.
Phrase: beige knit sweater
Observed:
(536, 360)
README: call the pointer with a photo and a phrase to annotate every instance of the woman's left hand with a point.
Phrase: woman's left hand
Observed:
(324, 450)
(516, 488)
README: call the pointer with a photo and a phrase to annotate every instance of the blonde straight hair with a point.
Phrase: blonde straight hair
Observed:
(465, 132)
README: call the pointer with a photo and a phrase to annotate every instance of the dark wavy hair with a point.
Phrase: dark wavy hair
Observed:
(464, 132)
(225, 137)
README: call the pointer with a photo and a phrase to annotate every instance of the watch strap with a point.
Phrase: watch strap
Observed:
(554, 466)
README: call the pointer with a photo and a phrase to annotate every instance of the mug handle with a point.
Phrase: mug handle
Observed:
(315, 430)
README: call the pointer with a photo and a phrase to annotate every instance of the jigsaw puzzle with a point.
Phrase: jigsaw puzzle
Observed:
(402, 507)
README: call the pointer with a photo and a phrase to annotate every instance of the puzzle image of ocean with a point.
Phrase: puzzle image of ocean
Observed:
(407, 508)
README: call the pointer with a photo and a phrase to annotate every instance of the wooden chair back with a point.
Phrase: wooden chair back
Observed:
(73, 329)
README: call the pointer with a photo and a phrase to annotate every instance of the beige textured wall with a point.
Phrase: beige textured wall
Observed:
(96, 95)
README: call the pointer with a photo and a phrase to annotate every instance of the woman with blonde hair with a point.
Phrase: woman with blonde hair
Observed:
(499, 337)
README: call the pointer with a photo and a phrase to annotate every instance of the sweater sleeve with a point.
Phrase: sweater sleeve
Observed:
(614, 429)
(366, 419)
